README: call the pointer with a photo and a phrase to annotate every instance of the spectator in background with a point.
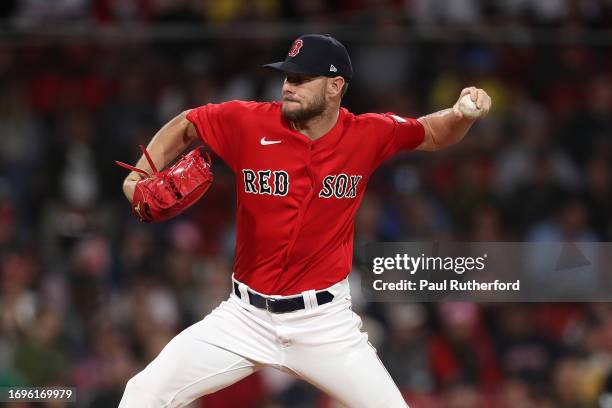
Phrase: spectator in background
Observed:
(571, 224)
(544, 190)
(383, 49)
(405, 350)
(463, 352)
(21, 142)
(534, 151)
(485, 225)
(586, 131)
(568, 383)
(18, 301)
(40, 358)
(523, 351)
(514, 393)
(598, 196)
(8, 220)
(461, 395)
(106, 367)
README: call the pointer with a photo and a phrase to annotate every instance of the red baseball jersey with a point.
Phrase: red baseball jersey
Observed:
(297, 198)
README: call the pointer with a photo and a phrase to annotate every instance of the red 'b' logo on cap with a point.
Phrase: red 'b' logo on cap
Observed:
(295, 48)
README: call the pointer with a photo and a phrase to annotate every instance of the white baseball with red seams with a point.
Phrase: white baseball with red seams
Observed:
(468, 107)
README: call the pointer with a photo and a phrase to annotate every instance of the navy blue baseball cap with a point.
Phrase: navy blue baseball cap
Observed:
(316, 54)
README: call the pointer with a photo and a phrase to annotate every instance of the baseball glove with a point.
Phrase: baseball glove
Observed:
(167, 193)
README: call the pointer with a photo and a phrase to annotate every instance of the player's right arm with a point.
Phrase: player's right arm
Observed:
(449, 126)
(170, 141)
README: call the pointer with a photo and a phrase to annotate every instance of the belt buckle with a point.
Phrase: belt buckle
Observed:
(269, 302)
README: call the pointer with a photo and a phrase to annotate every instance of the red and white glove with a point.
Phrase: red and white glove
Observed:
(167, 193)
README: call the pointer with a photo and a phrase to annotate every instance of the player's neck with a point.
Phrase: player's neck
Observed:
(318, 126)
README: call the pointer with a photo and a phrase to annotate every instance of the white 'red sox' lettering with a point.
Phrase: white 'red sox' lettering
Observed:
(266, 182)
(340, 186)
(277, 183)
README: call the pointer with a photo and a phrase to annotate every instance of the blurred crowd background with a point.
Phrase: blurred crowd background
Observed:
(88, 296)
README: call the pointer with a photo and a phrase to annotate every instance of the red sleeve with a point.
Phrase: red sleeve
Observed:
(218, 127)
(397, 133)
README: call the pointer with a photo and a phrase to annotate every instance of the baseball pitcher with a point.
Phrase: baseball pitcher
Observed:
(301, 166)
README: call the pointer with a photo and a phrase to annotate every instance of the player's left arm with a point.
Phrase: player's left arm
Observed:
(449, 126)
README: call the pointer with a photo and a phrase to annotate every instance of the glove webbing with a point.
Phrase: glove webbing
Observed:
(154, 168)
(136, 169)
(177, 194)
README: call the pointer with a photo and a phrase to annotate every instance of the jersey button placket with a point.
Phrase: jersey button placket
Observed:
(309, 167)
(304, 206)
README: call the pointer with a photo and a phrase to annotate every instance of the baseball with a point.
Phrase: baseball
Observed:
(468, 107)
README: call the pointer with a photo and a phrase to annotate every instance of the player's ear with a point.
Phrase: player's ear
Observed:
(335, 85)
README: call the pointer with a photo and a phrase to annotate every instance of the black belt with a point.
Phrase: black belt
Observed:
(284, 305)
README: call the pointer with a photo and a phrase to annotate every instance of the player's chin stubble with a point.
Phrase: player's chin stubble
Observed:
(302, 114)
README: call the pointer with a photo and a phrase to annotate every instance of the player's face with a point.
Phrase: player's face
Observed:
(303, 97)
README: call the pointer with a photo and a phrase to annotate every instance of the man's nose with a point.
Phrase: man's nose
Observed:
(288, 88)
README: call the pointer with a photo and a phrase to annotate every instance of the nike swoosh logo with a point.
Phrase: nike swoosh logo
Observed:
(265, 142)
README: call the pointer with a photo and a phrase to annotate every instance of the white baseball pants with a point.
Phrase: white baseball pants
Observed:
(322, 345)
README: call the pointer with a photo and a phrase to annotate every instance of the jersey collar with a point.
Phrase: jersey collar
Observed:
(329, 138)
